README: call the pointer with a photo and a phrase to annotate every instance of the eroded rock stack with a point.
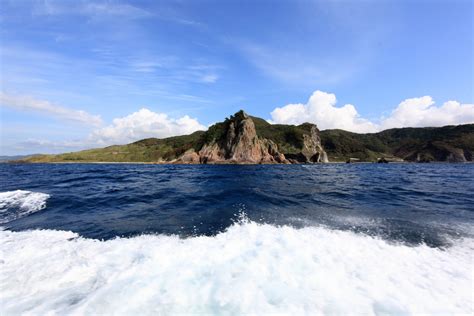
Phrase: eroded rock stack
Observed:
(240, 144)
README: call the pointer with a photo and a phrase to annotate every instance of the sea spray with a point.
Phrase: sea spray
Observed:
(20, 203)
(248, 269)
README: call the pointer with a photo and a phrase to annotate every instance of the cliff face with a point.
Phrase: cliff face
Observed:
(241, 145)
(312, 148)
(238, 142)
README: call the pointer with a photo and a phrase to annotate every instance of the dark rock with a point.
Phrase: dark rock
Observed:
(297, 158)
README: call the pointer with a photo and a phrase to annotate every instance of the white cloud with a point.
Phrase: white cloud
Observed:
(416, 112)
(291, 67)
(144, 124)
(88, 8)
(136, 126)
(117, 9)
(211, 78)
(422, 112)
(321, 109)
(103, 9)
(26, 103)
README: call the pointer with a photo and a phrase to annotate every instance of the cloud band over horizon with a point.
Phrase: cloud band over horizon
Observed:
(30, 104)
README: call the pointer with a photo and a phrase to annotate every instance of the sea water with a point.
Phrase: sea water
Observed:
(371, 239)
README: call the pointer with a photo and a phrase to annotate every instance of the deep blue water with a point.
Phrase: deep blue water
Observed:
(412, 203)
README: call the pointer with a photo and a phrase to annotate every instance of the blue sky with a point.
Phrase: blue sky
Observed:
(79, 74)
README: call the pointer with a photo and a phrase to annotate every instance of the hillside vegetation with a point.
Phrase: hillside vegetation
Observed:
(449, 143)
(146, 150)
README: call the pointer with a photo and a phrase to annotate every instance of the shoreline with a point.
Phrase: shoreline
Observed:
(222, 163)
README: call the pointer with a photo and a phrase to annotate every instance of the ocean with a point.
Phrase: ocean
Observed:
(139, 239)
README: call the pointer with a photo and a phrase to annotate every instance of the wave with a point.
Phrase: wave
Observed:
(20, 203)
(248, 269)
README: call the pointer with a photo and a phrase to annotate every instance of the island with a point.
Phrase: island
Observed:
(245, 139)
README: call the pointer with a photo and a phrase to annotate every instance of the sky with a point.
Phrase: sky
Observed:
(90, 73)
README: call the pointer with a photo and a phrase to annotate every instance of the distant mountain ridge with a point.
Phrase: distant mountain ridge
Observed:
(244, 139)
(14, 157)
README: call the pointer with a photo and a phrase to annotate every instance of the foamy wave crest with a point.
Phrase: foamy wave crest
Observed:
(249, 269)
(19, 203)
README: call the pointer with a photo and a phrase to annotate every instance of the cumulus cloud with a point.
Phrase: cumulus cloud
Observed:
(416, 112)
(144, 124)
(136, 126)
(26, 103)
(321, 109)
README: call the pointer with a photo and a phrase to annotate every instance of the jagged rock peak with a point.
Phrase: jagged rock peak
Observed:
(236, 141)
(239, 143)
(240, 115)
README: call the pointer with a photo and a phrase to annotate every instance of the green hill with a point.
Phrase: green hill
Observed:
(449, 143)
(145, 150)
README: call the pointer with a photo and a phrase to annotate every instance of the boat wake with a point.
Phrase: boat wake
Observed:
(19, 203)
(248, 269)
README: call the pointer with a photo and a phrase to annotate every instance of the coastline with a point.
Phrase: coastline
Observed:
(221, 163)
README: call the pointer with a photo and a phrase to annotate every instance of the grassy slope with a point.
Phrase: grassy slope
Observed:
(406, 143)
(146, 150)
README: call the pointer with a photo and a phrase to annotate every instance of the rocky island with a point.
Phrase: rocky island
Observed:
(244, 139)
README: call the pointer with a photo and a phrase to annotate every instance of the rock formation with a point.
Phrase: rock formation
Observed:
(312, 148)
(240, 144)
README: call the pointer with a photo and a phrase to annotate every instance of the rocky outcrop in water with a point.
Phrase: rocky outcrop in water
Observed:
(237, 141)
(241, 145)
(312, 148)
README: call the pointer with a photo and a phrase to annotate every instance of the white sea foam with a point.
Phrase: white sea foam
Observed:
(249, 269)
(19, 203)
